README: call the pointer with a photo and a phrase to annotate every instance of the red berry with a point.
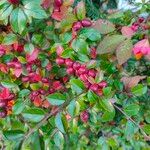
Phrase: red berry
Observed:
(92, 73)
(60, 61)
(2, 51)
(77, 26)
(58, 2)
(56, 9)
(70, 70)
(76, 66)
(86, 23)
(68, 62)
(57, 85)
(102, 84)
(3, 103)
(82, 70)
(25, 79)
(93, 53)
(84, 77)
(87, 84)
(94, 87)
(140, 20)
(84, 116)
(14, 2)
(45, 80)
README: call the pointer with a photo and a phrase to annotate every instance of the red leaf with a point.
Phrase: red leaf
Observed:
(127, 31)
(46, 3)
(60, 15)
(18, 72)
(130, 82)
(4, 93)
(32, 56)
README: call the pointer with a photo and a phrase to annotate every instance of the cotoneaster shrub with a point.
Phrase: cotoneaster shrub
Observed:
(70, 82)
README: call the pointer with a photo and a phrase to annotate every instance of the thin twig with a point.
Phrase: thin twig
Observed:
(47, 116)
(129, 118)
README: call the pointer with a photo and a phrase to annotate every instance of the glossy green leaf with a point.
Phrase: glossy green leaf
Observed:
(9, 39)
(13, 134)
(132, 109)
(139, 90)
(56, 99)
(33, 114)
(77, 85)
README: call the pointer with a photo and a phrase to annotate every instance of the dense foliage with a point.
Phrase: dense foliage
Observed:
(72, 77)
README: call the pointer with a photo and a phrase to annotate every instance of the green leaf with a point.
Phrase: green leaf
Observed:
(108, 116)
(18, 107)
(106, 105)
(8, 84)
(18, 20)
(132, 109)
(66, 38)
(124, 51)
(107, 91)
(92, 97)
(139, 90)
(5, 11)
(59, 139)
(56, 99)
(81, 11)
(33, 114)
(80, 46)
(34, 10)
(9, 39)
(24, 93)
(110, 43)
(77, 85)
(13, 134)
(59, 123)
(146, 128)
(29, 48)
(90, 34)
(129, 130)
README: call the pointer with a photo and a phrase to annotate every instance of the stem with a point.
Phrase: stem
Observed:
(46, 117)
(129, 118)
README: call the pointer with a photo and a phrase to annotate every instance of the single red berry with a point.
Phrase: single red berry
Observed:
(57, 85)
(77, 26)
(140, 19)
(68, 62)
(76, 66)
(87, 84)
(94, 87)
(84, 77)
(58, 2)
(70, 70)
(92, 73)
(25, 79)
(84, 116)
(35, 93)
(60, 61)
(82, 70)
(45, 80)
(2, 51)
(14, 2)
(86, 23)
(42, 91)
(3, 103)
(102, 84)
(93, 53)
(56, 8)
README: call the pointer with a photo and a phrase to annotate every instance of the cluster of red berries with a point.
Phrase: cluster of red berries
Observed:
(139, 23)
(80, 24)
(81, 71)
(6, 102)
